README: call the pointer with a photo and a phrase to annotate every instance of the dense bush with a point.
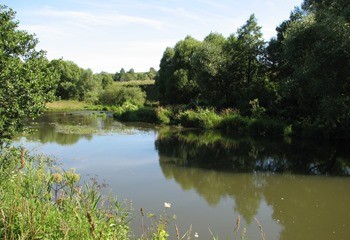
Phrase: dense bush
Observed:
(266, 127)
(235, 123)
(201, 118)
(132, 113)
(118, 95)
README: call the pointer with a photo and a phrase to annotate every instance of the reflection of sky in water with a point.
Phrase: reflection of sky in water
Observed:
(130, 164)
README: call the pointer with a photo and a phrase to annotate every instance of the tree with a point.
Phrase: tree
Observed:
(27, 79)
(176, 82)
(152, 73)
(317, 50)
(245, 70)
(119, 76)
(251, 44)
(208, 62)
(166, 69)
(70, 76)
(106, 79)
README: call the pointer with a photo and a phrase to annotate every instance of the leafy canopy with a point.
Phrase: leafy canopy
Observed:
(26, 78)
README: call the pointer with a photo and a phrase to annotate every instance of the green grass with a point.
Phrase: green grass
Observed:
(41, 201)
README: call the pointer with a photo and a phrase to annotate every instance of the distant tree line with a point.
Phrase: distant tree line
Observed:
(132, 75)
(82, 84)
(301, 76)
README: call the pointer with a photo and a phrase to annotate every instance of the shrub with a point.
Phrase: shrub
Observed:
(235, 123)
(118, 95)
(265, 127)
(201, 118)
(164, 115)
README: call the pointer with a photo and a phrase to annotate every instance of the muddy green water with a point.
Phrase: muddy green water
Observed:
(296, 189)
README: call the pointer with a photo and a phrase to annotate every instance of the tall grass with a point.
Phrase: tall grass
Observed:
(41, 201)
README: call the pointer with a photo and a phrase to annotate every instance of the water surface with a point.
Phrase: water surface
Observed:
(296, 189)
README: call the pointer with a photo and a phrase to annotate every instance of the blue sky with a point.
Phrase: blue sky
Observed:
(106, 35)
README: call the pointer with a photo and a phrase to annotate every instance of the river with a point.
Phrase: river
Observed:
(295, 189)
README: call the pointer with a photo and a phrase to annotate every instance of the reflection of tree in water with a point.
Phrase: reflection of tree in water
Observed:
(307, 208)
(45, 128)
(214, 185)
(48, 134)
(68, 128)
(205, 161)
(214, 150)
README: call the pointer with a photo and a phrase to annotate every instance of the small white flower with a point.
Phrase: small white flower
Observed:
(167, 205)
(196, 235)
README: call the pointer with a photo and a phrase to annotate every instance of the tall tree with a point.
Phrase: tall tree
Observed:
(178, 74)
(245, 70)
(70, 77)
(166, 69)
(208, 63)
(251, 46)
(27, 80)
(152, 73)
(311, 63)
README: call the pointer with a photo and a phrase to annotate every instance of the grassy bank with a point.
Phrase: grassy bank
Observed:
(204, 118)
(41, 201)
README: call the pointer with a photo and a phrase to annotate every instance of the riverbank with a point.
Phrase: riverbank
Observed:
(207, 118)
(39, 200)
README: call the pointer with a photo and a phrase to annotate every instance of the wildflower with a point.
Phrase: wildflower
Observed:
(167, 205)
(72, 176)
(196, 235)
(57, 178)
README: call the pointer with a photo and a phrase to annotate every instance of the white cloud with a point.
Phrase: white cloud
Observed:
(88, 19)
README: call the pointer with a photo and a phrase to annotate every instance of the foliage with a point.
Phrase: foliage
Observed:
(257, 110)
(200, 118)
(118, 95)
(176, 81)
(300, 77)
(27, 80)
(131, 75)
(132, 113)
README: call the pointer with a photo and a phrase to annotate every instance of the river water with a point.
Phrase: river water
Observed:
(294, 189)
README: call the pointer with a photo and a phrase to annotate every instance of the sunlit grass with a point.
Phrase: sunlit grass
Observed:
(67, 105)
(136, 83)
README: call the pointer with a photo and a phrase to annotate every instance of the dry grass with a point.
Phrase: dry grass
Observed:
(135, 83)
(67, 105)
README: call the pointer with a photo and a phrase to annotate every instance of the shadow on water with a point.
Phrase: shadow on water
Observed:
(279, 173)
(222, 152)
